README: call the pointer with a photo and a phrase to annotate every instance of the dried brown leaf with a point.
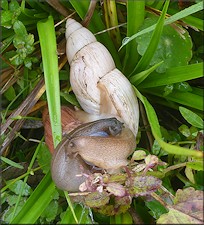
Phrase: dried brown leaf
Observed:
(187, 208)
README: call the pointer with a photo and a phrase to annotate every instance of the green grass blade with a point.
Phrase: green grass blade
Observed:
(185, 98)
(152, 47)
(140, 77)
(174, 75)
(111, 18)
(155, 127)
(82, 214)
(178, 16)
(37, 202)
(135, 18)
(48, 45)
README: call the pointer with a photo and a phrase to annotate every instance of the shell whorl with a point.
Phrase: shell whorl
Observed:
(97, 84)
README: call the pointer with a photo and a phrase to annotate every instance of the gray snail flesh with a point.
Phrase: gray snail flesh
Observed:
(103, 143)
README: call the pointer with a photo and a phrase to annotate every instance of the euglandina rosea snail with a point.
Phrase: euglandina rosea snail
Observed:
(103, 92)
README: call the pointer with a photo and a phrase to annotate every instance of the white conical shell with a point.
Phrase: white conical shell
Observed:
(83, 37)
(99, 87)
(71, 26)
(87, 68)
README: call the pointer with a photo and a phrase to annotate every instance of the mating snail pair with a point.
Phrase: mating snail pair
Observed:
(93, 136)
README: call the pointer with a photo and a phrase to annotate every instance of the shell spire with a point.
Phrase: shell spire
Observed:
(98, 85)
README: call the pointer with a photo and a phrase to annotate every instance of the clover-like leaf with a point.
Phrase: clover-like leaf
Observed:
(174, 47)
(116, 189)
(144, 185)
(18, 186)
(97, 199)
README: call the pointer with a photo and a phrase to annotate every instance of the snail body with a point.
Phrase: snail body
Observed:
(98, 85)
(108, 153)
(85, 140)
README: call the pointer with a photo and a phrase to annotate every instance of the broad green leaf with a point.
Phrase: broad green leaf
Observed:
(7, 214)
(4, 4)
(6, 17)
(18, 185)
(191, 117)
(174, 48)
(19, 28)
(156, 209)
(50, 212)
(70, 98)
(196, 165)
(12, 199)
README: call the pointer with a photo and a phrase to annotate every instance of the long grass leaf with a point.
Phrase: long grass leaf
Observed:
(173, 75)
(155, 38)
(48, 45)
(155, 127)
(140, 77)
(135, 18)
(178, 16)
(190, 99)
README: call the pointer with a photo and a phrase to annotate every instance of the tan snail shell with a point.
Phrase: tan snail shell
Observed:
(98, 85)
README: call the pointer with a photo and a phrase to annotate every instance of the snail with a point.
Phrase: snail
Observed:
(93, 136)
(92, 142)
